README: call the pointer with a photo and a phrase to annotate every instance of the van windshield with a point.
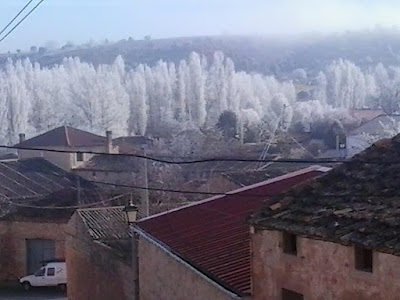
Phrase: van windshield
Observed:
(40, 272)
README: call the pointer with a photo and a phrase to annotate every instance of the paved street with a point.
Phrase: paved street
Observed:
(36, 294)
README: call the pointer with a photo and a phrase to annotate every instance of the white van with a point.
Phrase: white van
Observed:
(52, 274)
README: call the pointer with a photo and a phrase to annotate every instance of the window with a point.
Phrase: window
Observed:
(290, 295)
(51, 271)
(289, 243)
(363, 259)
(79, 156)
(41, 272)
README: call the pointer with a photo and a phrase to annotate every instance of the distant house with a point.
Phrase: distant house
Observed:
(133, 144)
(336, 237)
(202, 251)
(65, 138)
(366, 115)
(99, 255)
(383, 126)
(111, 169)
(30, 231)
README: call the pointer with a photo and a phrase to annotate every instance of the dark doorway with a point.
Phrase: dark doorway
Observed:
(37, 251)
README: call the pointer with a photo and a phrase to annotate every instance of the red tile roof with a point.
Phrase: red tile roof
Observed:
(64, 136)
(213, 236)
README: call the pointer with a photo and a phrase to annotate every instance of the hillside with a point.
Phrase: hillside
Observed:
(273, 55)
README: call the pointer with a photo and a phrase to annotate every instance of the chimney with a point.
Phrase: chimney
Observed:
(21, 137)
(109, 145)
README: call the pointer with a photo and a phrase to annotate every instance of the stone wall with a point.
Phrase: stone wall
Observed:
(95, 271)
(321, 270)
(163, 277)
(13, 236)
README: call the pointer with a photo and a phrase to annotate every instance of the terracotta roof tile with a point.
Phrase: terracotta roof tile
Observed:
(64, 136)
(213, 236)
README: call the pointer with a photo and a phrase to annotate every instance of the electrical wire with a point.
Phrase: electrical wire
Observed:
(235, 194)
(86, 205)
(22, 20)
(184, 162)
(19, 13)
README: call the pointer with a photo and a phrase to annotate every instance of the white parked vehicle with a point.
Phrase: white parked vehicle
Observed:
(52, 274)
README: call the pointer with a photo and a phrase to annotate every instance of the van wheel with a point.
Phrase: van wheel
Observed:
(62, 287)
(26, 285)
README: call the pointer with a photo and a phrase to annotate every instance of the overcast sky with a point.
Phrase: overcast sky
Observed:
(83, 20)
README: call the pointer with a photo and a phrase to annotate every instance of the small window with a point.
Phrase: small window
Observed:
(79, 156)
(290, 295)
(41, 272)
(51, 271)
(289, 243)
(363, 259)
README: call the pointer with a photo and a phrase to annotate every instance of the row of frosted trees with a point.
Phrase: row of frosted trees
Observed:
(174, 97)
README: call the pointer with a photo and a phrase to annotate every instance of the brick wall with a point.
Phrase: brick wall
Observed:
(321, 270)
(163, 277)
(13, 236)
(94, 270)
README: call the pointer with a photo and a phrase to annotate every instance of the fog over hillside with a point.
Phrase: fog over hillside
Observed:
(275, 55)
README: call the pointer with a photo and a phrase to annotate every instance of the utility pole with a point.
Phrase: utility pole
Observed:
(78, 187)
(145, 192)
(241, 127)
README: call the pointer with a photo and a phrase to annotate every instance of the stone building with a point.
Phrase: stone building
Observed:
(202, 251)
(29, 235)
(99, 255)
(336, 237)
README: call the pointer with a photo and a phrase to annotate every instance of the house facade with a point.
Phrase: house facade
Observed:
(335, 237)
(99, 255)
(25, 244)
(65, 138)
(319, 270)
(30, 230)
(202, 250)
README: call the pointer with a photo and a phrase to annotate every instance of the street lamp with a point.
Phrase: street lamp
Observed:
(131, 212)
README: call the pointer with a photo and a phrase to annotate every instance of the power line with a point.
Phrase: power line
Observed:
(240, 194)
(87, 205)
(23, 19)
(183, 162)
(12, 21)
(236, 194)
(170, 190)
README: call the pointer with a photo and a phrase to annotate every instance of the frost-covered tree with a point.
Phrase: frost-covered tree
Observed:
(345, 84)
(138, 107)
(196, 90)
(167, 98)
